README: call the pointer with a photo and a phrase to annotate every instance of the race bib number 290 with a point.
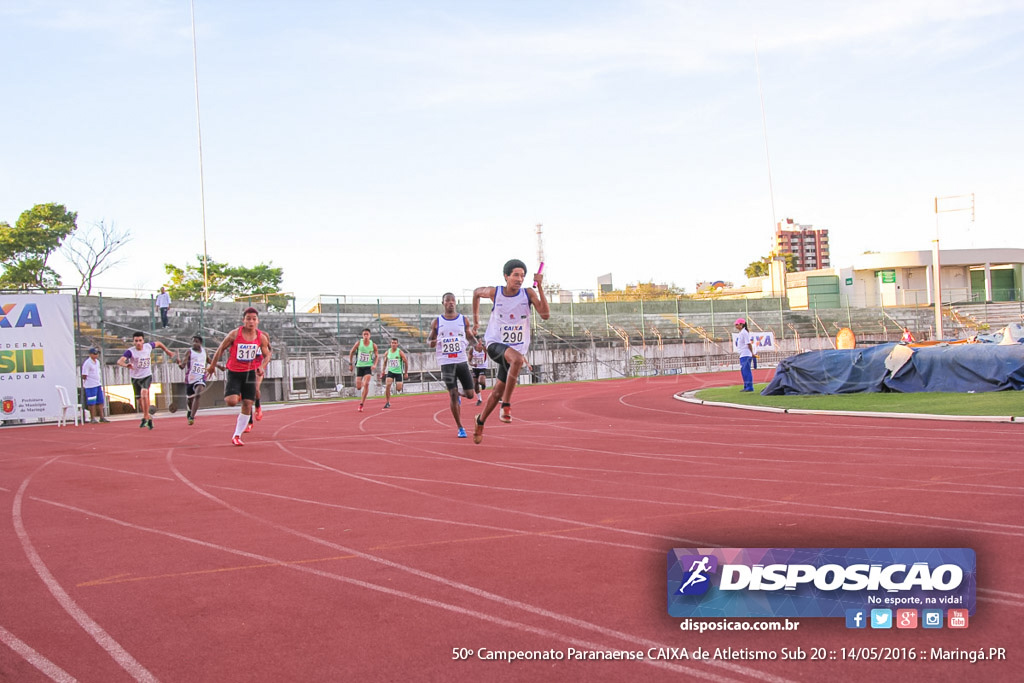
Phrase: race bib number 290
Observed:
(512, 334)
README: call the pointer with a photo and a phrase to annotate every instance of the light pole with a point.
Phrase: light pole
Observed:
(199, 133)
(936, 265)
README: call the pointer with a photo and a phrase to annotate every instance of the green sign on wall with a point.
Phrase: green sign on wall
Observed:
(888, 277)
(849, 280)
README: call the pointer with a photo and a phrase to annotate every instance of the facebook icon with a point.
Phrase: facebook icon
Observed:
(856, 618)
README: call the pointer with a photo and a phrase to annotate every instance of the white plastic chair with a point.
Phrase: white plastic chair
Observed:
(65, 404)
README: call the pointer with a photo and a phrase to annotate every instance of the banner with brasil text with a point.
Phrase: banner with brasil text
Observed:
(816, 582)
(37, 353)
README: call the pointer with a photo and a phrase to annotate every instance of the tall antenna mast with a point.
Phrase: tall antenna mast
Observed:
(540, 249)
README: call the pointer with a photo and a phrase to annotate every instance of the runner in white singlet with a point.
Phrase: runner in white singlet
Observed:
(450, 335)
(508, 334)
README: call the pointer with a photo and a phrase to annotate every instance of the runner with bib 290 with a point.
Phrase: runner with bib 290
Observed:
(508, 334)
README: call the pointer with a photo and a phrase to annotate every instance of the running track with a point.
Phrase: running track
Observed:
(339, 546)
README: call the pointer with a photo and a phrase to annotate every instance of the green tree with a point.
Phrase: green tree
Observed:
(760, 267)
(226, 282)
(25, 248)
(260, 279)
(186, 282)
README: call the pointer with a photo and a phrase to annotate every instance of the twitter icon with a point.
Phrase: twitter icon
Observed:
(881, 618)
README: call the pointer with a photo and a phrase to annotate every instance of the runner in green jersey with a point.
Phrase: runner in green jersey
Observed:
(396, 363)
(363, 364)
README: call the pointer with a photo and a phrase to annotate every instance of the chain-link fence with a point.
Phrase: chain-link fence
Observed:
(580, 341)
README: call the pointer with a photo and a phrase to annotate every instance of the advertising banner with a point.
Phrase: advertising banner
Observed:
(763, 341)
(37, 353)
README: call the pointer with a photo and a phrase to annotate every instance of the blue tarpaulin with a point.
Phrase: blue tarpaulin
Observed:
(953, 368)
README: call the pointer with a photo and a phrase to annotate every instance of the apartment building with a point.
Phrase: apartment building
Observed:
(808, 245)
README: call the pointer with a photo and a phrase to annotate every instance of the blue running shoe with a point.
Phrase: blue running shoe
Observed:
(462, 433)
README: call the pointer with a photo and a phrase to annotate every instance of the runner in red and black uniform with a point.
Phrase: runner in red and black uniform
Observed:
(247, 360)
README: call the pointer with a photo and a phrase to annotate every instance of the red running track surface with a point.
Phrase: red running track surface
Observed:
(346, 546)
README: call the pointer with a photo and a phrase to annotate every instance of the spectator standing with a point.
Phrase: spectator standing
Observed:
(163, 302)
(745, 346)
(92, 384)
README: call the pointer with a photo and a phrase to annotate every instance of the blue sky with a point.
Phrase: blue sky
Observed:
(409, 148)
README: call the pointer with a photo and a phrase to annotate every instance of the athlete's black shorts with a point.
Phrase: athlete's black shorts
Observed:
(241, 384)
(479, 371)
(194, 388)
(363, 370)
(496, 352)
(454, 374)
(140, 383)
(397, 376)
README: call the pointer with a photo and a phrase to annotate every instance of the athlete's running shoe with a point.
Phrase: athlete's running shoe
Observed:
(388, 404)
(248, 428)
(462, 433)
(237, 441)
(479, 401)
(360, 407)
(142, 425)
(478, 431)
(149, 423)
(506, 413)
(259, 413)
(191, 420)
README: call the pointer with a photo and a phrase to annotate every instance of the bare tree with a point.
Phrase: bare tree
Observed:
(91, 250)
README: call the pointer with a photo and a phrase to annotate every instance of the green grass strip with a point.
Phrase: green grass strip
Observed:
(930, 403)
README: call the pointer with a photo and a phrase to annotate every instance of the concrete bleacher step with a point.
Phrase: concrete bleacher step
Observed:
(991, 315)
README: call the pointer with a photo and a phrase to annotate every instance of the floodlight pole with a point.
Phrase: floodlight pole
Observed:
(937, 276)
(774, 254)
(936, 265)
(199, 133)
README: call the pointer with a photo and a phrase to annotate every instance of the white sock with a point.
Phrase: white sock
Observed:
(241, 423)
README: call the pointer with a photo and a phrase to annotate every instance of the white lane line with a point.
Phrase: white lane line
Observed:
(121, 656)
(405, 595)
(48, 668)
